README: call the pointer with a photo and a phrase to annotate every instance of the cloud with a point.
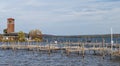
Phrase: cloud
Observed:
(54, 16)
(108, 0)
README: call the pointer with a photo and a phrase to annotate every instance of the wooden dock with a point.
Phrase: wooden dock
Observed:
(30, 47)
(80, 48)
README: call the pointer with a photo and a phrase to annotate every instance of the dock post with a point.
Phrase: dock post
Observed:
(4, 46)
(103, 48)
(119, 48)
(13, 46)
(68, 48)
(68, 53)
(79, 48)
(37, 46)
(49, 49)
(83, 50)
(94, 49)
(61, 46)
(110, 56)
(28, 45)
(65, 45)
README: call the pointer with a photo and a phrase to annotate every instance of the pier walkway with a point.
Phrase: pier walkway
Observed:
(68, 47)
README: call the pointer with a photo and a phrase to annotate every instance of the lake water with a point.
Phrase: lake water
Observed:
(37, 58)
(99, 39)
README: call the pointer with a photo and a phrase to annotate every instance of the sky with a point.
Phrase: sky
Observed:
(62, 17)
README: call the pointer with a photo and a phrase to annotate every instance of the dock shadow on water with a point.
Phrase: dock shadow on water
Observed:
(35, 58)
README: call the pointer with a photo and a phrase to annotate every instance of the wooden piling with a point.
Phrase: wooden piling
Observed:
(83, 50)
(79, 48)
(49, 51)
(119, 48)
(94, 50)
(37, 48)
(12, 45)
(68, 48)
(103, 48)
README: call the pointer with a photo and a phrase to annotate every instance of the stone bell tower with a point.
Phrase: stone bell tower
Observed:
(10, 25)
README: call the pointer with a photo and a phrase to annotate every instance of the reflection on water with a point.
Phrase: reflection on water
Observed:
(33, 58)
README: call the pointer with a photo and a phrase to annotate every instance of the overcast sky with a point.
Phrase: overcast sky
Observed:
(62, 17)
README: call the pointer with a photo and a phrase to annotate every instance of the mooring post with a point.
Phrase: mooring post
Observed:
(103, 48)
(41, 46)
(38, 45)
(60, 47)
(79, 48)
(18, 47)
(68, 48)
(110, 56)
(94, 49)
(12, 45)
(15, 45)
(27, 44)
(83, 50)
(111, 51)
(119, 48)
(49, 49)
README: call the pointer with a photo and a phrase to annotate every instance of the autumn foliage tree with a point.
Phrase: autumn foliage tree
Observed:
(35, 35)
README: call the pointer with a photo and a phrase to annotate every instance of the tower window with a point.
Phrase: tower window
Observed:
(10, 22)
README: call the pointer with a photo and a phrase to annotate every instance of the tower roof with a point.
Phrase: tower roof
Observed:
(11, 19)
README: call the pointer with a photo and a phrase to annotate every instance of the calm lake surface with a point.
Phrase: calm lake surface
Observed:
(37, 58)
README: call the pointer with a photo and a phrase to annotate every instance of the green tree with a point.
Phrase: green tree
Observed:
(21, 36)
(35, 35)
(5, 31)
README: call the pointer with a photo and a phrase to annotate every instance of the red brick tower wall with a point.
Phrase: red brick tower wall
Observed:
(10, 25)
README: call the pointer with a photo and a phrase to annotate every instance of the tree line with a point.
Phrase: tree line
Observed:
(33, 35)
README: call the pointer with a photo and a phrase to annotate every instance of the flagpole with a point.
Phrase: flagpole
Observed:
(111, 39)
